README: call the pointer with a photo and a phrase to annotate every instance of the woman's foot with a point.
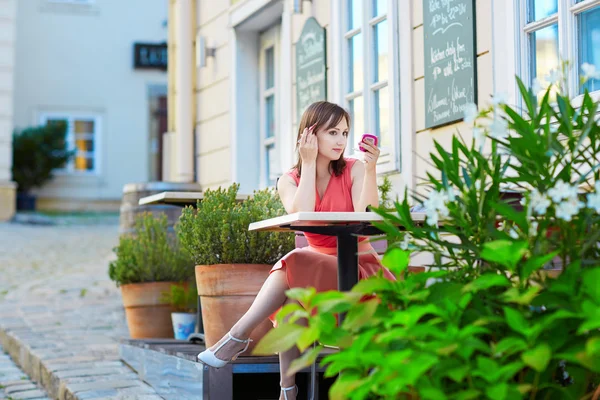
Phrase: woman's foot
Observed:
(224, 351)
(289, 393)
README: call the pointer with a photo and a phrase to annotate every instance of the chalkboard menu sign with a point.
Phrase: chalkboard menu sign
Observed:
(450, 59)
(311, 66)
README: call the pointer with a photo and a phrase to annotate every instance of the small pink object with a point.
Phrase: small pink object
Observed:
(367, 137)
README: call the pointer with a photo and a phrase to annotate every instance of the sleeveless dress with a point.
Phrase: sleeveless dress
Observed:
(316, 265)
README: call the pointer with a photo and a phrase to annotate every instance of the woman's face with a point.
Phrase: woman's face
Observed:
(332, 141)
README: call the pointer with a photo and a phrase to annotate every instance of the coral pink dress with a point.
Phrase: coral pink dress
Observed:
(316, 265)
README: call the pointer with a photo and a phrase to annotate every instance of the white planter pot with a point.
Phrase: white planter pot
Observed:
(184, 325)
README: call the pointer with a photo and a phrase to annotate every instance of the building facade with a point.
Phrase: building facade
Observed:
(397, 65)
(8, 12)
(100, 66)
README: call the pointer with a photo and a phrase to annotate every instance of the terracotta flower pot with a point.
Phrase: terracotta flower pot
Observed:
(146, 316)
(226, 292)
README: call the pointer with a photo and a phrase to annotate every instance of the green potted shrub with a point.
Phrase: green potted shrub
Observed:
(184, 300)
(487, 321)
(232, 263)
(148, 263)
(37, 152)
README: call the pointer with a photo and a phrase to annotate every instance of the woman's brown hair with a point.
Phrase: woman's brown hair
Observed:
(322, 114)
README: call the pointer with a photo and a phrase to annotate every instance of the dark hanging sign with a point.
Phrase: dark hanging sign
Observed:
(150, 56)
(450, 59)
(311, 66)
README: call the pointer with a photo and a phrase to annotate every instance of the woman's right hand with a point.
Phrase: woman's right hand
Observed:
(307, 145)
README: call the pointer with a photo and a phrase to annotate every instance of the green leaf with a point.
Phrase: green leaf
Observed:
(486, 281)
(504, 252)
(303, 295)
(304, 361)
(374, 284)
(432, 393)
(592, 347)
(591, 283)
(468, 394)
(308, 337)
(538, 357)
(516, 321)
(458, 374)
(514, 295)
(509, 346)
(280, 339)
(360, 315)
(535, 263)
(344, 385)
(396, 260)
(510, 214)
(334, 301)
(498, 391)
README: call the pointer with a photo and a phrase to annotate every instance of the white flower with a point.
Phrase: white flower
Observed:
(513, 233)
(568, 208)
(406, 241)
(533, 228)
(536, 87)
(479, 136)
(478, 185)
(471, 113)
(435, 206)
(562, 190)
(589, 71)
(499, 129)
(553, 76)
(499, 98)
(593, 199)
(539, 202)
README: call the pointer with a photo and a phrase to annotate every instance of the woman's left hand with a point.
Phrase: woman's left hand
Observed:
(371, 155)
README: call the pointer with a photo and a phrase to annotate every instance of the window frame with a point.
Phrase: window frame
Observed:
(389, 160)
(269, 39)
(566, 19)
(71, 118)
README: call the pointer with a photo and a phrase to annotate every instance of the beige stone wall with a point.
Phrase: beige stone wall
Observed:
(213, 91)
(78, 59)
(425, 138)
(7, 65)
(213, 103)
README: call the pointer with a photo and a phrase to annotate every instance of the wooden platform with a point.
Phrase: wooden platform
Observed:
(170, 367)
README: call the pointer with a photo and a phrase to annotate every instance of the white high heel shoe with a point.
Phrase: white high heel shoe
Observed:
(287, 389)
(208, 357)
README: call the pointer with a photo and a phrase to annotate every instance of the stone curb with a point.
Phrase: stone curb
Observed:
(54, 379)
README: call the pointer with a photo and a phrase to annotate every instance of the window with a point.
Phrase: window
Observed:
(557, 30)
(83, 137)
(269, 151)
(369, 75)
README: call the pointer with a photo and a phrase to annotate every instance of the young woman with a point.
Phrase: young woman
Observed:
(323, 180)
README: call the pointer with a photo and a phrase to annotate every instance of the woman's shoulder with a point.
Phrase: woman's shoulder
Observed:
(292, 173)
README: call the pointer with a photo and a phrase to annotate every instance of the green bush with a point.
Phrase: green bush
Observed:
(486, 322)
(37, 152)
(183, 298)
(150, 255)
(216, 232)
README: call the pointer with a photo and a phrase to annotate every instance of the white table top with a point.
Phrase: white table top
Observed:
(321, 219)
(182, 198)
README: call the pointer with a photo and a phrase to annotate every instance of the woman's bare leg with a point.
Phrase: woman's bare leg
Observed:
(269, 299)
(285, 360)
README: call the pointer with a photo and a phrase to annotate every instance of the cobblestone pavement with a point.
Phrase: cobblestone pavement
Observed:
(15, 384)
(60, 315)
